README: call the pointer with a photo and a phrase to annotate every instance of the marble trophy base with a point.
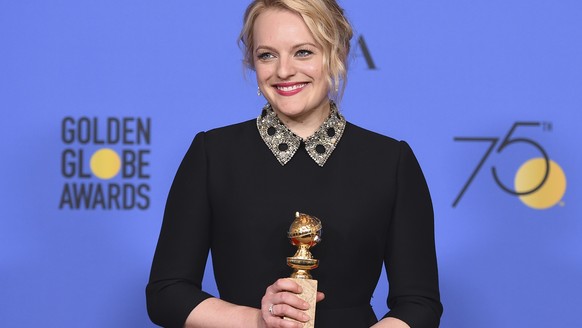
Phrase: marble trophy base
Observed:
(309, 295)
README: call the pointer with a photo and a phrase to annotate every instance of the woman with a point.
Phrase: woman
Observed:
(238, 187)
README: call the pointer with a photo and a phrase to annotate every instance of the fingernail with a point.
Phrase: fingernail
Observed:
(306, 317)
(306, 305)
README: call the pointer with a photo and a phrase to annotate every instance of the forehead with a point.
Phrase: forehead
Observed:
(278, 27)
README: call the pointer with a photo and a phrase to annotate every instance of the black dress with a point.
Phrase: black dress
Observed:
(232, 197)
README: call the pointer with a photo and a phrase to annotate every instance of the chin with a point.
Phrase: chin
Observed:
(290, 110)
(296, 107)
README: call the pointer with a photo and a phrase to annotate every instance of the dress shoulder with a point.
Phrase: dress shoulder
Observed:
(232, 130)
(372, 145)
(368, 136)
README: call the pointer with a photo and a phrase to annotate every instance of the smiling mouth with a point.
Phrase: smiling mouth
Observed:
(293, 87)
(289, 89)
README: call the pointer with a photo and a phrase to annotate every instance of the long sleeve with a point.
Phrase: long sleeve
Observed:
(174, 288)
(410, 250)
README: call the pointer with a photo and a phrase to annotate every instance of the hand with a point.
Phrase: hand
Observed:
(280, 301)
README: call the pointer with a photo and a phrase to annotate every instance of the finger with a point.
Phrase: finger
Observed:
(286, 298)
(284, 284)
(273, 318)
(320, 296)
(289, 299)
(287, 311)
(283, 304)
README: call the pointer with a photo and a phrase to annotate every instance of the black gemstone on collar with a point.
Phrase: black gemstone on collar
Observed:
(330, 132)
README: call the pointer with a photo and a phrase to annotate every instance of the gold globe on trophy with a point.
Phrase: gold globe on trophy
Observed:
(304, 233)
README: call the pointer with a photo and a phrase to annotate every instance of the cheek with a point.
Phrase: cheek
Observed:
(313, 70)
(263, 72)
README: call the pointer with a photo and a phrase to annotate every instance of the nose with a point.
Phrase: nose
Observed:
(285, 68)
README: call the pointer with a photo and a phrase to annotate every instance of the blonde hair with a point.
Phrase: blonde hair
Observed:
(327, 23)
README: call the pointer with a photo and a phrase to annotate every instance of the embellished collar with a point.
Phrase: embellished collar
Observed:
(284, 143)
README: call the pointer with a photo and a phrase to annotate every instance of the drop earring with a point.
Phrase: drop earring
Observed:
(259, 91)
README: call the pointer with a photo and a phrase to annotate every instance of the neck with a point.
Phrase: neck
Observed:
(305, 125)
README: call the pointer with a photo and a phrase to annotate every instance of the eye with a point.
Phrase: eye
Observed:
(303, 53)
(265, 56)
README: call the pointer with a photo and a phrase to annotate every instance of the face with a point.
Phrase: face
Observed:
(289, 66)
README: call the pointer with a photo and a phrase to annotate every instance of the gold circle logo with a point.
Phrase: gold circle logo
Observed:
(105, 163)
(530, 175)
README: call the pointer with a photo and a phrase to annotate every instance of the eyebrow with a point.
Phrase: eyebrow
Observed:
(294, 47)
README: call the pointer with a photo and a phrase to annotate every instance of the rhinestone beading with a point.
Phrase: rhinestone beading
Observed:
(284, 144)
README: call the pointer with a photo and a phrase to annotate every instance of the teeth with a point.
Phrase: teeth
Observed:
(291, 88)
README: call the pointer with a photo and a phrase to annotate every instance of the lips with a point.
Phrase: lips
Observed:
(290, 88)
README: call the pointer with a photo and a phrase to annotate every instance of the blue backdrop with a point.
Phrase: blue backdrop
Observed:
(100, 100)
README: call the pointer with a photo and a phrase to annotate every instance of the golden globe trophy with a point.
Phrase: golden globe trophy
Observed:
(305, 232)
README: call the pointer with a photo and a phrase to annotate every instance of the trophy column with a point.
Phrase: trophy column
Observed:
(304, 233)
